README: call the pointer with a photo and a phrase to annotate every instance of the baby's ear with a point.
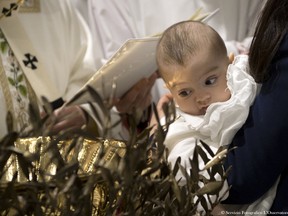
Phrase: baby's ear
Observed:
(231, 57)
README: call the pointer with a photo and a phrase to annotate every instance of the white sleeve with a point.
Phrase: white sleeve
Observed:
(82, 62)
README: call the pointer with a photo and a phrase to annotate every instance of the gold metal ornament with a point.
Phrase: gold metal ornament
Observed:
(88, 153)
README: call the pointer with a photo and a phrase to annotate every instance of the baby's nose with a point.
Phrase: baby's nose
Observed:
(203, 99)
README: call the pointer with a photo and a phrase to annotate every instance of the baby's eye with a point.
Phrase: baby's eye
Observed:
(210, 81)
(184, 93)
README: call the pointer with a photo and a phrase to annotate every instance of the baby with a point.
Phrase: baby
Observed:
(212, 92)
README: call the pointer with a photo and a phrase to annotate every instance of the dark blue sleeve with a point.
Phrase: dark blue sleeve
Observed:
(262, 143)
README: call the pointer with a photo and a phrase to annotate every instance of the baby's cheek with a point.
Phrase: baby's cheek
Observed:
(222, 95)
(227, 94)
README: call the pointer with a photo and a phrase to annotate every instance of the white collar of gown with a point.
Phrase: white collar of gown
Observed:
(223, 119)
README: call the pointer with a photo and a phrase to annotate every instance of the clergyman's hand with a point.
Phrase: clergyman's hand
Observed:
(138, 97)
(66, 118)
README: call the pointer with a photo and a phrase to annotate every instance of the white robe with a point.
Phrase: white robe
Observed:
(117, 20)
(62, 41)
(61, 38)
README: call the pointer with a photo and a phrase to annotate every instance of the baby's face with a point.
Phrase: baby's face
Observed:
(198, 84)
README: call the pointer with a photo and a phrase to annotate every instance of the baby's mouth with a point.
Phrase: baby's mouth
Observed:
(203, 110)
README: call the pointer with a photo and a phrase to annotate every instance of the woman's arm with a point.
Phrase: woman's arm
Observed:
(262, 143)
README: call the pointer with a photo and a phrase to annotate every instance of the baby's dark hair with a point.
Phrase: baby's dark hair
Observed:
(183, 40)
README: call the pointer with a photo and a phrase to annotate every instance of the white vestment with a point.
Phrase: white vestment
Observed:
(62, 41)
(61, 38)
(117, 20)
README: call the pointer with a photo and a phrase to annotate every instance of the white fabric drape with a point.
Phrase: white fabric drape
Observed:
(61, 38)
